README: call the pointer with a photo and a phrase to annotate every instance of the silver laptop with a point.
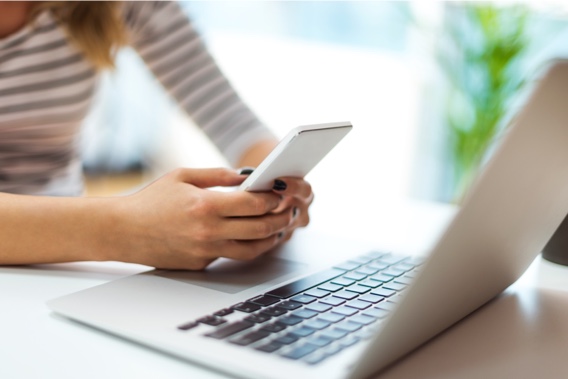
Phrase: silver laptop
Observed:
(294, 313)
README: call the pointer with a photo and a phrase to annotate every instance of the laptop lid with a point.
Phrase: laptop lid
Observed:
(511, 211)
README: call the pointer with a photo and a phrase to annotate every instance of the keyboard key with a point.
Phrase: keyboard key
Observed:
(347, 266)
(304, 299)
(318, 307)
(383, 292)
(318, 324)
(377, 265)
(264, 300)
(305, 313)
(315, 358)
(334, 301)
(334, 333)
(376, 254)
(303, 331)
(317, 293)
(403, 280)
(320, 341)
(274, 327)
(348, 326)
(289, 305)
(381, 278)
(354, 276)
(246, 307)
(358, 304)
(330, 287)
(270, 347)
(357, 289)
(258, 318)
(404, 266)
(274, 311)
(343, 281)
(304, 284)
(290, 320)
(345, 295)
(345, 311)
(362, 319)
(395, 299)
(249, 338)
(211, 320)
(348, 341)
(370, 283)
(366, 270)
(365, 334)
(286, 339)
(386, 305)
(371, 298)
(223, 312)
(188, 325)
(391, 259)
(375, 312)
(392, 271)
(300, 351)
(416, 261)
(394, 286)
(230, 329)
(362, 259)
(331, 317)
(331, 350)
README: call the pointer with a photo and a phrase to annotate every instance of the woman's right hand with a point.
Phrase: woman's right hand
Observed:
(176, 223)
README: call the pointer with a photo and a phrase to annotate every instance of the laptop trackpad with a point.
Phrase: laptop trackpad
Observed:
(231, 276)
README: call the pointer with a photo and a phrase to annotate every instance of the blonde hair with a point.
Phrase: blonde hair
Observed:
(95, 27)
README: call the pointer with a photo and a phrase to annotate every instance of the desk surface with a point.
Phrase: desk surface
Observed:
(521, 334)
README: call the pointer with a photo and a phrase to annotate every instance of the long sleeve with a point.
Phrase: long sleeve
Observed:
(164, 37)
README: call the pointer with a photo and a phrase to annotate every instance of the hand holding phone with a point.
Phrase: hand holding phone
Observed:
(296, 154)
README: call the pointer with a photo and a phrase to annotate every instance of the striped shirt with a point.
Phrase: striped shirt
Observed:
(47, 87)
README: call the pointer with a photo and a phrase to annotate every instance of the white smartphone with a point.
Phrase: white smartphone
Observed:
(298, 152)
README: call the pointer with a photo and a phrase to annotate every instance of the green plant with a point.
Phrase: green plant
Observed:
(480, 57)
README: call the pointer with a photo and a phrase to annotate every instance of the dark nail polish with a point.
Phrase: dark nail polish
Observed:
(279, 185)
(246, 171)
(295, 212)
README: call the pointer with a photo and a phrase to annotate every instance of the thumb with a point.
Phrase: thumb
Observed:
(209, 177)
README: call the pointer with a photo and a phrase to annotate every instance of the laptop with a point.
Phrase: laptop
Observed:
(296, 313)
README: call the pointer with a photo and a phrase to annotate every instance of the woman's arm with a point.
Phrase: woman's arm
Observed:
(174, 51)
(256, 153)
(173, 223)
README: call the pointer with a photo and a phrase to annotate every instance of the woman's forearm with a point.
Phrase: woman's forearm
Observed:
(256, 153)
(173, 223)
(37, 229)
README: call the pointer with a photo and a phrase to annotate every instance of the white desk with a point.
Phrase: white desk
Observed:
(522, 335)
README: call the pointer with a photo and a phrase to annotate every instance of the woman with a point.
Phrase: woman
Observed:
(50, 57)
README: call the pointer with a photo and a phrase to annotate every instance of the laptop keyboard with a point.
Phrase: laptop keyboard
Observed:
(318, 316)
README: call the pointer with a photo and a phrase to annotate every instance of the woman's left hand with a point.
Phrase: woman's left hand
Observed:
(297, 197)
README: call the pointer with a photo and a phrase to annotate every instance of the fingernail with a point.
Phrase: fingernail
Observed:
(295, 212)
(279, 185)
(246, 171)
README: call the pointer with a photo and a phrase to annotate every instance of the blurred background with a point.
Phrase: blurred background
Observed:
(428, 86)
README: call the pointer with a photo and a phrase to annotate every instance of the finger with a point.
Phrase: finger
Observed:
(287, 202)
(252, 228)
(208, 177)
(243, 203)
(247, 250)
(293, 187)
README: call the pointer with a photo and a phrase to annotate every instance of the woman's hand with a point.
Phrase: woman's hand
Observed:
(176, 223)
(297, 196)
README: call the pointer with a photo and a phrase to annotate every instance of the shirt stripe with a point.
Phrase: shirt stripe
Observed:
(47, 88)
